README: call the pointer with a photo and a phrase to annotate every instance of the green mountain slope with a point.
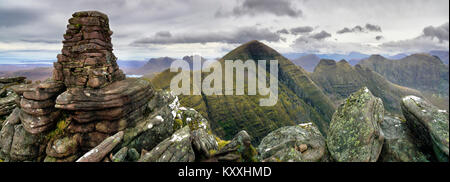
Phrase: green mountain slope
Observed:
(299, 99)
(340, 79)
(419, 71)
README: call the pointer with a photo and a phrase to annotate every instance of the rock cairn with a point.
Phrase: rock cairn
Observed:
(87, 59)
(99, 100)
(87, 100)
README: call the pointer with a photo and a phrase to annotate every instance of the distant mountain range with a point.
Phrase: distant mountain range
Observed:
(299, 99)
(33, 72)
(309, 61)
(156, 65)
(420, 71)
(443, 55)
(340, 79)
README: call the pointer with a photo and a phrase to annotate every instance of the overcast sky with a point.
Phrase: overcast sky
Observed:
(33, 30)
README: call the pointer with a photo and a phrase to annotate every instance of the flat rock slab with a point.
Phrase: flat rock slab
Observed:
(19, 79)
(39, 91)
(117, 94)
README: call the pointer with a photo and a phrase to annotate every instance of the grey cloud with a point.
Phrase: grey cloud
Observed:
(283, 31)
(254, 7)
(358, 29)
(422, 43)
(47, 41)
(321, 35)
(344, 30)
(440, 32)
(16, 16)
(379, 37)
(373, 28)
(163, 34)
(301, 30)
(238, 36)
(313, 38)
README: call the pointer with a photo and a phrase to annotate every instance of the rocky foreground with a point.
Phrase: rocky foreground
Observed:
(90, 112)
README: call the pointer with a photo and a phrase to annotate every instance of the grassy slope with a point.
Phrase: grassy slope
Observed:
(340, 79)
(300, 100)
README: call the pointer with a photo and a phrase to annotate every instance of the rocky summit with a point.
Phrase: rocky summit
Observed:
(90, 112)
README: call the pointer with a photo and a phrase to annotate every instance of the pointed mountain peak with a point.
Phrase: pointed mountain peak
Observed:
(376, 56)
(326, 62)
(343, 61)
(252, 50)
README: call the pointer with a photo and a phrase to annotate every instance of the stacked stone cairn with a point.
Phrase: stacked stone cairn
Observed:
(87, 100)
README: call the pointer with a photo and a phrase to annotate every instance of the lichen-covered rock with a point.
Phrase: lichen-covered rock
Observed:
(155, 127)
(7, 103)
(300, 143)
(120, 155)
(25, 146)
(38, 124)
(239, 149)
(16, 144)
(7, 133)
(354, 134)
(203, 141)
(100, 151)
(64, 147)
(429, 124)
(399, 144)
(7, 96)
(176, 148)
